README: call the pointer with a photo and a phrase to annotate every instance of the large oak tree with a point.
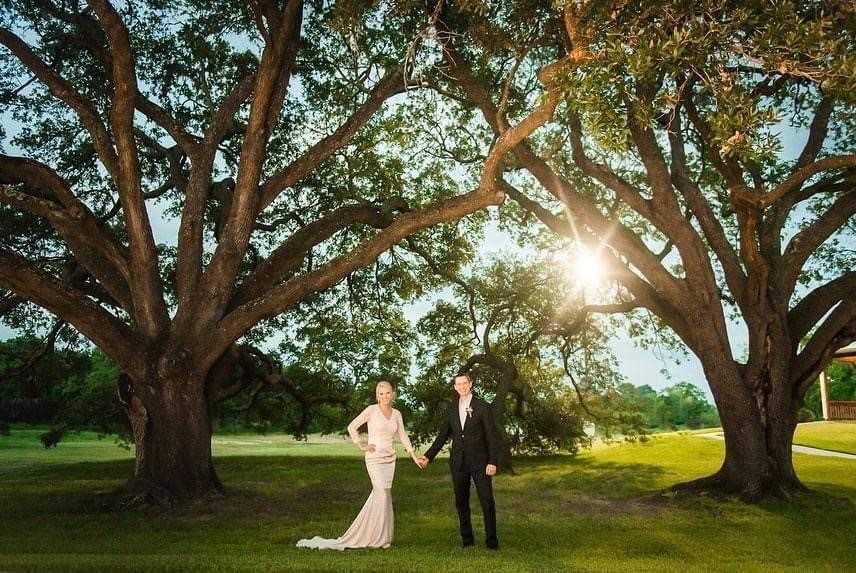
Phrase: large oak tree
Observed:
(672, 158)
(248, 118)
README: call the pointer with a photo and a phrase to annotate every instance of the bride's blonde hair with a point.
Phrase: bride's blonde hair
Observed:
(385, 384)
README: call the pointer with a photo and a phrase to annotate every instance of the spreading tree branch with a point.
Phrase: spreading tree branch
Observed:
(804, 243)
(92, 244)
(110, 334)
(149, 306)
(217, 282)
(815, 305)
(64, 91)
(392, 83)
(287, 258)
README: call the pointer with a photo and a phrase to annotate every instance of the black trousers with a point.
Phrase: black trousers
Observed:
(484, 488)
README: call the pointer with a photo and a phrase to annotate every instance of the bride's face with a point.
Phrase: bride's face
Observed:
(384, 395)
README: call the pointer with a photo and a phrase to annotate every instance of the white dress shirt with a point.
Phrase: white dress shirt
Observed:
(463, 404)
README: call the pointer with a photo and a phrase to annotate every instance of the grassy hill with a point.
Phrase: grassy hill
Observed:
(597, 512)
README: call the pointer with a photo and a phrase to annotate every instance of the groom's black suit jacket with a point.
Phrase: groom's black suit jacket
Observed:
(474, 446)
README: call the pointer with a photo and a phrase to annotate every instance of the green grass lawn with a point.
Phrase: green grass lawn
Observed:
(595, 512)
(838, 436)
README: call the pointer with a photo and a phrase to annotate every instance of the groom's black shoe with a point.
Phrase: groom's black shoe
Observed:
(467, 543)
(494, 545)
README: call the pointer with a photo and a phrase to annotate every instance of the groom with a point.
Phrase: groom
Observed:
(470, 424)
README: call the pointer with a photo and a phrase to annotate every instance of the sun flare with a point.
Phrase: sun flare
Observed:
(581, 266)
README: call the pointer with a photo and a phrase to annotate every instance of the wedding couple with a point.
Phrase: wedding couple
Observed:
(469, 423)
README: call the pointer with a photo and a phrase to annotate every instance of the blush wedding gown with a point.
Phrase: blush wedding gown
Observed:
(373, 526)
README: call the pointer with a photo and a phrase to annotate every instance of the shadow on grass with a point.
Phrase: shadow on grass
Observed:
(273, 501)
(583, 486)
(820, 503)
(557, 510)
(293, 485)
(320, 495)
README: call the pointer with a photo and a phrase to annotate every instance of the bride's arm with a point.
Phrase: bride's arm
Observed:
(361, 419)
(403, 438)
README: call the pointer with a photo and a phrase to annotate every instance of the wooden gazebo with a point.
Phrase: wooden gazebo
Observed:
(838, 410)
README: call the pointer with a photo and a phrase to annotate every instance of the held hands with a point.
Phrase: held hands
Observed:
(423, 462)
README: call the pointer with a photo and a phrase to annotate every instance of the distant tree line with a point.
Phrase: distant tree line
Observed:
(76, 388)
(71, 389)
(683, 405)
(58, 387)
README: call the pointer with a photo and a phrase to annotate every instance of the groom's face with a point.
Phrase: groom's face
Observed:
(463, 386)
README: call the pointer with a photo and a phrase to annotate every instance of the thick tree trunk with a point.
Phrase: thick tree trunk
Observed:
(178, 441)
(781, 423)
(138, 419)
(758, 460)
(745, 469)
(177, 464)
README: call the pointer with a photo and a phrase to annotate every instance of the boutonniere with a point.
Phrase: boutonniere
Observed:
(469, 412)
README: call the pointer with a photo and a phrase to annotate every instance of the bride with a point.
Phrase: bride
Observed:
(374, 524)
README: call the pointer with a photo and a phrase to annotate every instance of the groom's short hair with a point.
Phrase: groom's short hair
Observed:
(462, 375)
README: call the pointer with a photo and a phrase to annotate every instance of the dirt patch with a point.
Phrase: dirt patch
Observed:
(597, 506)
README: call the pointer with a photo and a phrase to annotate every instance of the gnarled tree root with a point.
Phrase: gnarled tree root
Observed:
(748, 490)
(137, 493)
